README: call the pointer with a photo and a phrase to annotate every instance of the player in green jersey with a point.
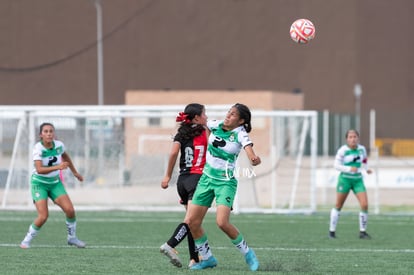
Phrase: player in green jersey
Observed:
(50, 158)
(218, 182)
(351, 162)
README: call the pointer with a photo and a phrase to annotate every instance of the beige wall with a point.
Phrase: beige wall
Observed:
(47, 57)
(264, 100)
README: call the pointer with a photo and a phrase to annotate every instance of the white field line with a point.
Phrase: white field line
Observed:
(130, 219)
(291, 249)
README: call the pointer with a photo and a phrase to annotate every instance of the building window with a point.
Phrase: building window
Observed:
(154, 121)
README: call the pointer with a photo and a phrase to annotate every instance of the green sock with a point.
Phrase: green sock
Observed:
(240, 244)
(71, 220)
(35, 227)
(203, 248)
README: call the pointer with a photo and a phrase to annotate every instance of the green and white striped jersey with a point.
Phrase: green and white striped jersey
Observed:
(223, 150)
(49, 157)
(347, 157)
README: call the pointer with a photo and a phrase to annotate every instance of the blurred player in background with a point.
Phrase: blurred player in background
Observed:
(227, 138)
(351, 162)
(190, 143)
(49, 158)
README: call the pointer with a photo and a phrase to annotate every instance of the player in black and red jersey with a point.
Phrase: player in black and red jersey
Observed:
(191, 143)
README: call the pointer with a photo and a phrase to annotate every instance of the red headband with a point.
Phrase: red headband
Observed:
(182, 117)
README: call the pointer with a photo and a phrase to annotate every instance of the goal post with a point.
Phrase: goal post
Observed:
(19, 132)
(285, 182)
(122, 152)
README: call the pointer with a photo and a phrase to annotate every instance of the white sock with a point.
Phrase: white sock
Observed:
(242, 247)
(31, 233)
(334, 219)
(363, 220)
(204, 250)
(71, 227)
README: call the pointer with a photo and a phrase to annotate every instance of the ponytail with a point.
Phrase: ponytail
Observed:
(246, 115)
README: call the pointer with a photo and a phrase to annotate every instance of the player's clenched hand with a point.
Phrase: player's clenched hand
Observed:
(63, 165)
(164, 182)
(255, 161)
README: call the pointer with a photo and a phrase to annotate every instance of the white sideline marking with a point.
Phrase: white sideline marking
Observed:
(396, 220)
(363, 250)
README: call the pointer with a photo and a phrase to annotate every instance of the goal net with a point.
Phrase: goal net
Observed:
(122, 152)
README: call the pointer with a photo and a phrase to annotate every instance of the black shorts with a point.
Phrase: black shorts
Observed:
(186, 185)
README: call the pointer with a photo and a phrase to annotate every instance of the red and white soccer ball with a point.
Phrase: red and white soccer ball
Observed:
(302, 31)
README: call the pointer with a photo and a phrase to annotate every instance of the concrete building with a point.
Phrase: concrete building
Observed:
(48, 52)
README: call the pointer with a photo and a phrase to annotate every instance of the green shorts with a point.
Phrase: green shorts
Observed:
(209, 188)
(44, 188)
(346, 184)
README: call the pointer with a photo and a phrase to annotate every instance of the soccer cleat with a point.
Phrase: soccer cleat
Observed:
(251, 260)
(24, 245)
(171, 253)
(191, 263)
(332, 234)
(203, 264)
(76, 242)
(364, 235)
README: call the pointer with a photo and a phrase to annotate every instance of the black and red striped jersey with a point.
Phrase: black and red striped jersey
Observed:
(193, 154)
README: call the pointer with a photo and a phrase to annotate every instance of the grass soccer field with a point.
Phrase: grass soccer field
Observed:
(122, 242)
